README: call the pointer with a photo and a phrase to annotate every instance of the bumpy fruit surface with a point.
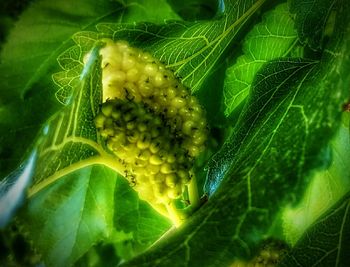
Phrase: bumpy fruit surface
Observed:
(149, 121)
(155, 161)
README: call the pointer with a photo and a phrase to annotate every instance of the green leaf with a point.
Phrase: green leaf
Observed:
(86, 207)
(311, 19)
(278, 141)
(71, 215)
(70, 140)
(28, 58)
(274, 37)
(190, 49)
(331, 183)
(326, 242)
(137, 219)
(65, 186)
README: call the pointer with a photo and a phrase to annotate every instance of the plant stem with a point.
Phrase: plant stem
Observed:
(160, 208)
(193, 192)
(174, 214)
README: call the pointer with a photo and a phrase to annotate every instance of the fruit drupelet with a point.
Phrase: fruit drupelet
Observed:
(150, 121)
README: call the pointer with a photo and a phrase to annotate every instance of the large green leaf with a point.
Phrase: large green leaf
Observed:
(70, 137)
(190, 49)
(137, 219)
(73, 214)
(63, 188)
(326, 242)
(279, 139)
(274, 37)
(330, 183)
(86, 207)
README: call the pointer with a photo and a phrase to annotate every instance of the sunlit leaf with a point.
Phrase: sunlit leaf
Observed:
(268, 40)
(326, 242)
(190, 49)
(330, 183)
(71, 215)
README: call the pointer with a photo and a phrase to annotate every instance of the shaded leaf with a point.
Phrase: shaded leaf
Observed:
(45, 47)
(311, 19)
(195, 9)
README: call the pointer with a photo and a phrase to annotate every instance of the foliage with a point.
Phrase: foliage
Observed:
(278, 73)
(326, 242)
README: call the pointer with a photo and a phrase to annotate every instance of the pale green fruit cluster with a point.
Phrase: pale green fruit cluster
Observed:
(150, 121)
(129, 73)
(153, 156)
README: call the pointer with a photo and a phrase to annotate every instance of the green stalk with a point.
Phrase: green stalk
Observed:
(193, 192)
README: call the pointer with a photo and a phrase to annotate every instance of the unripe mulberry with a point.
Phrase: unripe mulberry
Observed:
(150, 121)
(154, 157)
(156, 87)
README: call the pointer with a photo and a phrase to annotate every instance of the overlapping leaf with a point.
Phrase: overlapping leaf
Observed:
(271, 39)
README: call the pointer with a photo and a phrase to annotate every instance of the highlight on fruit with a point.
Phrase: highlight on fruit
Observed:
(153, 125)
